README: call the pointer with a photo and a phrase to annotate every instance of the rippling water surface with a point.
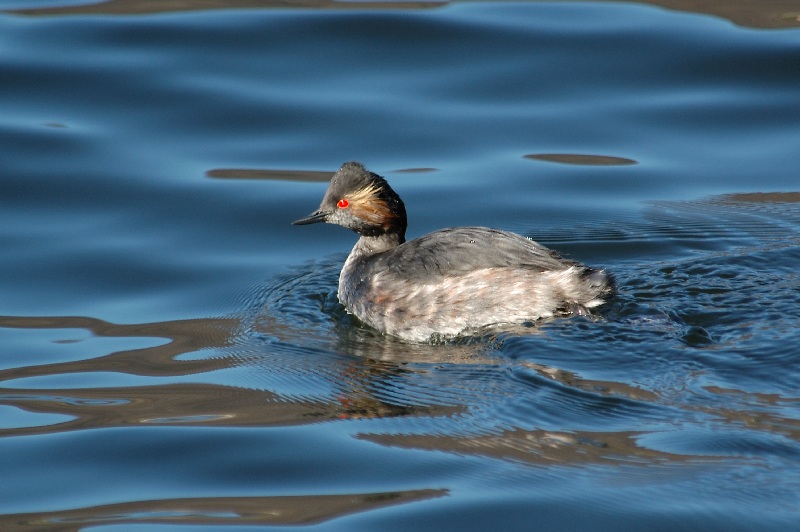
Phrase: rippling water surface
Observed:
(173, 353)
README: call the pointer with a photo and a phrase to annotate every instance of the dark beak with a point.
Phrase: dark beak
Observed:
(313, 218)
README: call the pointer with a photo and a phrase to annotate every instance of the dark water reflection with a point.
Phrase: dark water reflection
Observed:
(219, 511)
(581, 159)
(764, 14)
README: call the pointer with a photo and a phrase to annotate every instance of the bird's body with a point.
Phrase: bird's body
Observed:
(449, 282)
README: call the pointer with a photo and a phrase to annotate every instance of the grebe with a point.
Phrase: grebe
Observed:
(450, 282)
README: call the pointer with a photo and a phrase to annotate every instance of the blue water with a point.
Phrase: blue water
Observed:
(173, 354)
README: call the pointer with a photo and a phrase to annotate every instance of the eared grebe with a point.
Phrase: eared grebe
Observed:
(449, 282)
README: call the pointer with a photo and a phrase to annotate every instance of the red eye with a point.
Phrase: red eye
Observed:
(343, 203)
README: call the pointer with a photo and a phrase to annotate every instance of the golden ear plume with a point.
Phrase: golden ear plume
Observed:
(367, 205)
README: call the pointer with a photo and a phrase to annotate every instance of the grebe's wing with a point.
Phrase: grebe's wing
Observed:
(459, 250)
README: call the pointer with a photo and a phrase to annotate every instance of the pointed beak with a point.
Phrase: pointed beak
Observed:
(313, 218)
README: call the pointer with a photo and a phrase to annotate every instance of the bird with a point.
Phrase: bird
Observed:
(449, 283)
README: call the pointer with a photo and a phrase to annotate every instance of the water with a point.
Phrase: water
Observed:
(173, 354)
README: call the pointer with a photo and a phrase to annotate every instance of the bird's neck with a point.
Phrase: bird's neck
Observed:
(370, 245)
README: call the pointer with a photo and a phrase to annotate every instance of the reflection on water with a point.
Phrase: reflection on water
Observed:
(538, 396)
(180, 403)
(289, 175)
(762, 197)
(767, 14)
(589, 160)
(131, 7)
(240, 511)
